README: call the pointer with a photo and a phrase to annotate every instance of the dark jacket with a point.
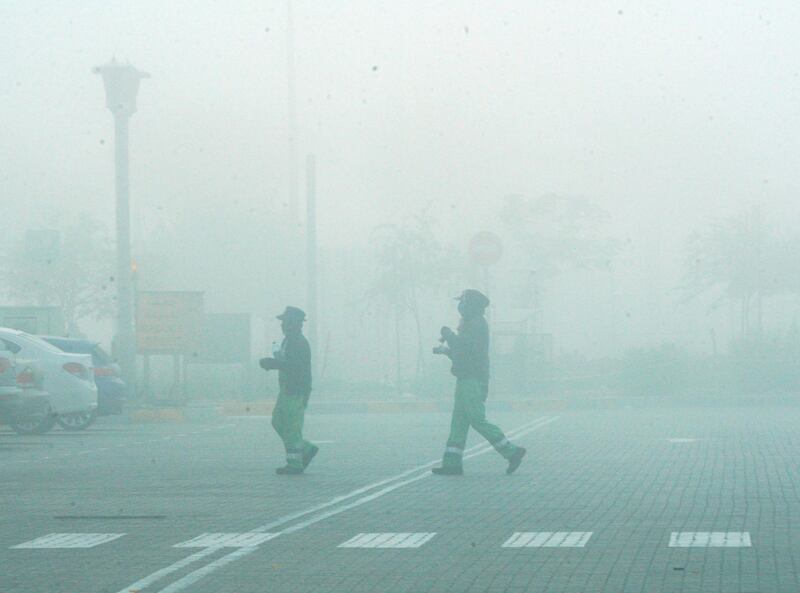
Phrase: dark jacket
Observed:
(294, 366)
(469, 349)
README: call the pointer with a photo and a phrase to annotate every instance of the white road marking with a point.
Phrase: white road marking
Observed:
(388, 540)
(548, 539)
(68, 540)
(168, 570)
(203, 571)
(102, 449)
(196, 575)
(709, 539)
(226, 540)
(682, 440)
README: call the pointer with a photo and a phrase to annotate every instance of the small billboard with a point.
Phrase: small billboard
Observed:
(169, 322)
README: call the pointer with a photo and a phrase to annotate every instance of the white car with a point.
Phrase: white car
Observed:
(24, 406)
(68, 378)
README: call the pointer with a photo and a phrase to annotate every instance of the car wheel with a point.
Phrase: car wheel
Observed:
(77, 421)
(34, 424)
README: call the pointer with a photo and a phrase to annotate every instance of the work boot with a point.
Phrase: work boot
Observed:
(289, 470)
(515, 460)
(455, 470)
(309, 455)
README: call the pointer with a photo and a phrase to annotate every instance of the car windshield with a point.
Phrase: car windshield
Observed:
(36, 342)
(67, 345)
(101, 357)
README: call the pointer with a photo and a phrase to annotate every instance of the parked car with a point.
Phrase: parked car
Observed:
(10, 392)
(68, 378)
(24, 406)
(111, 389)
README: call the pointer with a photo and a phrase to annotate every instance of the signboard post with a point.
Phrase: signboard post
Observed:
(168, 322)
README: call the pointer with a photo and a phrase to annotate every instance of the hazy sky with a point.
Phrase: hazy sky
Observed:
(661, 112)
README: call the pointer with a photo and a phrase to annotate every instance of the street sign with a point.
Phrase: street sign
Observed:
(169, 322)
(34, 320)
(485, 249)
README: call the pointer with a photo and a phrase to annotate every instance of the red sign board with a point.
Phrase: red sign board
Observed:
(485, 249)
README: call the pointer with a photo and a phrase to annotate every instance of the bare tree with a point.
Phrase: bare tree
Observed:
(558, 232)
(745, 262)
(410, 260)
(76, 274)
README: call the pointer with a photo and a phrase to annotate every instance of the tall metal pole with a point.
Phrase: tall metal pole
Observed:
(294, 209)
(121, 82)
(311, 250)
(126, 333)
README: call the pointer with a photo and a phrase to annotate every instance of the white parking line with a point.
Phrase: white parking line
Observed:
(390, 484)
(388, 540)
(226, 540)
(548, 539)
(127, 444)
(68, 540)
(709, 539)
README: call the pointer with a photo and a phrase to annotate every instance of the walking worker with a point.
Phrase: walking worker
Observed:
(293, 363)
(469, 351)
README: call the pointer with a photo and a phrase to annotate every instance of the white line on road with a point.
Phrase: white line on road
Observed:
(390, 484)
(68, 540)
(203, 571)
(226, 540)
(168, 570)
(388, 540)
(709, 539)
(548, 539)
(127, 444)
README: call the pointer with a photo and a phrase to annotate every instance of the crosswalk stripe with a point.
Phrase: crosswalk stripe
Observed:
(68, 540)
(548, 539)
(359, 540)
(710, 539)
(415, 540)
(388, 540)
(226, 540)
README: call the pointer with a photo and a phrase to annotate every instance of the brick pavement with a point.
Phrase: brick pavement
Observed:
(631, 478)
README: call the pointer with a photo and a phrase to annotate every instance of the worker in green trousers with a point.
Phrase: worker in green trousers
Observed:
(469, 351)
(293, 363)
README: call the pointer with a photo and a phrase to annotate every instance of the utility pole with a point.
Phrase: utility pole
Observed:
(311, 251)
(294, 208)
(121, 82)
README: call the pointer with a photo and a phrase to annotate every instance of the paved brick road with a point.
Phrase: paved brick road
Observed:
(690, 499)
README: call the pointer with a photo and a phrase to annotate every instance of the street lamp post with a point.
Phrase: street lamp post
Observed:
(121, 82)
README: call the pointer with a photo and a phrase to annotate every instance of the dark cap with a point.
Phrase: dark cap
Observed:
(473, 298)
(292, 314)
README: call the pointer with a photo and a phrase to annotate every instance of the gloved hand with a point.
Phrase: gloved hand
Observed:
(268, 364)
(447, 333)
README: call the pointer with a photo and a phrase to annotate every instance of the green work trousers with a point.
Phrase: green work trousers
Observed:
(469, 410)
(288, 416)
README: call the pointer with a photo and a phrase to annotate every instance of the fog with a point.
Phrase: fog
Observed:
(595, 138)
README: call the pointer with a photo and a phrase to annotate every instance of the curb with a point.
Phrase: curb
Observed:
(209, 411)
(147, 415)
(263, 408)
